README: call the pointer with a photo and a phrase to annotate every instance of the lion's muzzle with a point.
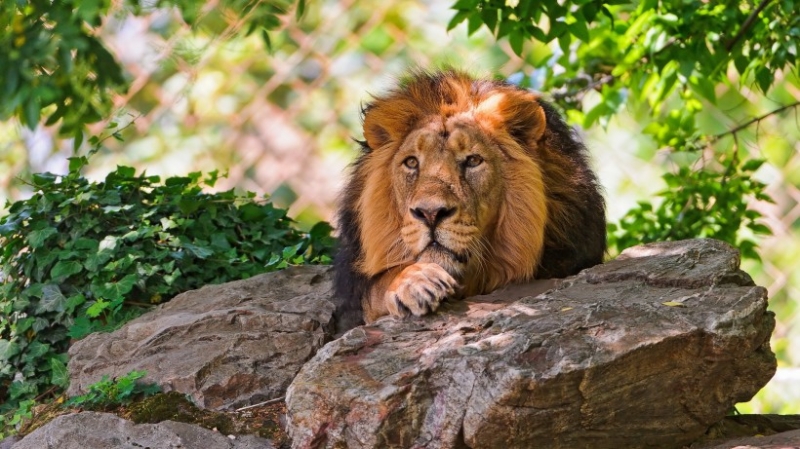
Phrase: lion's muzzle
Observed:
(432, 215)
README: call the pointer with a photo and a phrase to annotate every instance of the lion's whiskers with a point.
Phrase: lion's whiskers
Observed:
(397, 253)
(478, 250)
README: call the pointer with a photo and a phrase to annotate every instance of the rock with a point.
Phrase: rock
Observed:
(7, 442)
(737, 426)
(226, 345)
(91, 430)
(648, 350)
(784, 440)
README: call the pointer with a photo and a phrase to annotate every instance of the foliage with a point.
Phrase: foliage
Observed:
(12, 419)
(81, 256)
(53, 63)
(112, 392)
(699, 203)
(667, 57)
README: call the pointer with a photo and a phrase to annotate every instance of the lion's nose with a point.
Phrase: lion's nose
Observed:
(432, 216)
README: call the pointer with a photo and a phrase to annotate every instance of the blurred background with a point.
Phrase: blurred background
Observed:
(283, 123)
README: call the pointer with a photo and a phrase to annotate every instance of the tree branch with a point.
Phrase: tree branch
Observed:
(747, 24)
(269, 402)
(577, 94)
(744, 125)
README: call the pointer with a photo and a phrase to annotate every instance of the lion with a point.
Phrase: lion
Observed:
(462, 186)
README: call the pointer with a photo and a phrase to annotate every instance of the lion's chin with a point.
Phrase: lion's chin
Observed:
(453, 262)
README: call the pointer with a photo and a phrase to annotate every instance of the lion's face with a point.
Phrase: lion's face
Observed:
(464, 184)
(453, 179)
(447, 186)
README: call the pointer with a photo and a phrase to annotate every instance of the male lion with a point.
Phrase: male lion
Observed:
(463, 186)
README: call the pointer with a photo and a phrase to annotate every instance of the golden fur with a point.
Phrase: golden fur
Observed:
(462, 188)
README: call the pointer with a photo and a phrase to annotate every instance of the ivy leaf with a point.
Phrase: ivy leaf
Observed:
(108, 244)
(115, 290)
(37, 238)
(97, 308)
(52, 299)
(75, 301)
(59, 375)
(81, 327)
(40, 324)
(199, 251)
(8, 349)
(64, 269)
(35, 350)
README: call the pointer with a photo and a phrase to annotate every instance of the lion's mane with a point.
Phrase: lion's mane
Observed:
(369, 222)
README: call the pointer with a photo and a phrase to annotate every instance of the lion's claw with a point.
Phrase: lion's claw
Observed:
(419, 289)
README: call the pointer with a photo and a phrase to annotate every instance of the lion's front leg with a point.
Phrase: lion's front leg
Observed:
(417, 289)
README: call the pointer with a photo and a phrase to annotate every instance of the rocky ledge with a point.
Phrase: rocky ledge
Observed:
(648, 350)
(226, 346)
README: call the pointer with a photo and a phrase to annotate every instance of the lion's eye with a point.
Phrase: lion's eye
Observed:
(411, 162)
(473, 161)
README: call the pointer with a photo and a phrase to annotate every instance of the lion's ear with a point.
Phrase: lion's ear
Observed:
(516, 112)
(388, 121)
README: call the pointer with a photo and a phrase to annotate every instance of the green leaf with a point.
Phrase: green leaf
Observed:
(752, 165)
(76, 163)
(474, 23)
(59, 375)
(8, 349)
(704, 87)
(489, 17)
(764, 78)
(115, 290)
(457, 19)
(37, 238)
(579, 30)
(52, 300)
(108, 244)
(466, 5)
(606, 12)
(35, 350)
(517, 40)
(77, 140)
(74, 302)
(198, 251)
(64, 269)
(759, 228)
(32, 110)
(97, 308)
(320, 230)
(81, 327)
(124, 172)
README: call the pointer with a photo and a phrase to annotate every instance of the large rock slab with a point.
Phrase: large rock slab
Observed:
(225, 345)
(91, 430)
(648, 350)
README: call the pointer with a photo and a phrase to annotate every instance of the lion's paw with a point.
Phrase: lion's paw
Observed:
(419, 289)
